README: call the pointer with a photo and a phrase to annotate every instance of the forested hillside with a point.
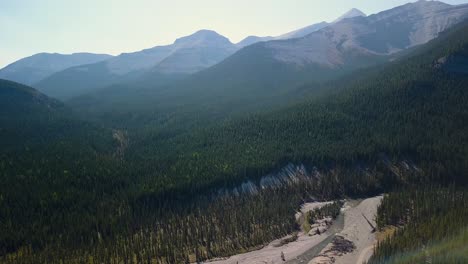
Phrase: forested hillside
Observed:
(160, 199)
(430, 225)
(54, 170)
(31, 119)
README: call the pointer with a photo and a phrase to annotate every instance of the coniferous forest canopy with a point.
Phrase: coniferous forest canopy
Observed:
(159, 183)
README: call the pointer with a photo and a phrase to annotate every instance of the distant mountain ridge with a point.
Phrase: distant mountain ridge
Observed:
(193, 53)
(381, 34)
(33, 69)
(200, 41)
(324, 45)
(271, 73)
(299, 33)
(186, 55)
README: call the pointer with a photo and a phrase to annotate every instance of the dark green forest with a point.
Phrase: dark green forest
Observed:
(88, 187)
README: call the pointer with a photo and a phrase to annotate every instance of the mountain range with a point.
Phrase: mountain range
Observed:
(269, 73)
(316, 53)
(302, 31)
(186, 55)
(328, 50)
(385, 33)
(32, 69)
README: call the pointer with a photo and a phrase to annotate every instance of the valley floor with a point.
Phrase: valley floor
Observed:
(350, 225)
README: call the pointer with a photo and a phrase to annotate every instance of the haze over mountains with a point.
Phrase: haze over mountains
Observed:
(302, 31)
(269, 73)
(32, 69)
(350, 42)
(382, 34)
(187, 55)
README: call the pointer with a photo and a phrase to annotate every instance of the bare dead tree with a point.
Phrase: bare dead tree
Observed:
(369, 222)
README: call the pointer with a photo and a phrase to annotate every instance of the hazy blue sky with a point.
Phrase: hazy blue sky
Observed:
(115, 26)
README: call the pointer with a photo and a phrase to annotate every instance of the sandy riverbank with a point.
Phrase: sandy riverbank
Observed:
(271, 254)
(356, 230)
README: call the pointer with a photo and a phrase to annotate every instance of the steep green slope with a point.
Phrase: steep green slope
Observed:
(52, 167)
(31, 119)
(431, 226)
